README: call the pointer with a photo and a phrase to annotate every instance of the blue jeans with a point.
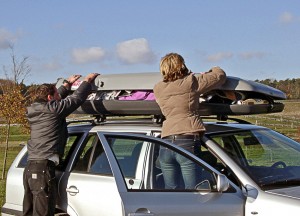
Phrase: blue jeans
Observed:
(179, 172)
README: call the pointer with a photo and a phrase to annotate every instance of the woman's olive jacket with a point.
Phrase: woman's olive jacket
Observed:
(179, 101)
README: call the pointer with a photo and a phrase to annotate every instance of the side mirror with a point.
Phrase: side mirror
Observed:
(251, 192)
(222, 183)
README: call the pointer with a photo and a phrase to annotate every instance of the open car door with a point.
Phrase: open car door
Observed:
(134, 162)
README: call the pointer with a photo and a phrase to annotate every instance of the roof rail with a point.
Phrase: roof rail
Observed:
(226, 118)
(158, 119)
(92, 121)
(99, 118)
(155, 118)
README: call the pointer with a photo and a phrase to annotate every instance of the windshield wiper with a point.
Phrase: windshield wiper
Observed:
(282, 182)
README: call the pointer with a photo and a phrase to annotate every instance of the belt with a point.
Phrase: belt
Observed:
(41, 162)
(175, 137)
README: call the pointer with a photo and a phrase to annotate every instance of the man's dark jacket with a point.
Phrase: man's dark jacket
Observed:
(48, 122)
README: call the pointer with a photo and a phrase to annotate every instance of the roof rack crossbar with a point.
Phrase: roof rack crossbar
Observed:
(92, 121)
(226, 118)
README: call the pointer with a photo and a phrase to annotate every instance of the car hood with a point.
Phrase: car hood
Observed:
(290, 192)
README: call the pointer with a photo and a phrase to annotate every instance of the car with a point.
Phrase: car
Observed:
(111, 167)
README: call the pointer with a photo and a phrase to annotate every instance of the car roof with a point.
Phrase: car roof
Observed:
(218, 127)
(146, 126)
(138, 126)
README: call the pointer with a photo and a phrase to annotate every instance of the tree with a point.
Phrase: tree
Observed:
(13, 102)
(19, 69)
(289, 86)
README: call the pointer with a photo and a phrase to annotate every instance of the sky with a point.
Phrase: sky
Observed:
(250, 39)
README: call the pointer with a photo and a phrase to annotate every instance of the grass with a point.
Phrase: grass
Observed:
(287, 122)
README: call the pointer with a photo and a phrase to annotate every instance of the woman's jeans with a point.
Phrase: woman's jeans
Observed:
(179, 172)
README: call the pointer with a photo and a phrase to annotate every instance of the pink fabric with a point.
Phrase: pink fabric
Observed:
(139, 95)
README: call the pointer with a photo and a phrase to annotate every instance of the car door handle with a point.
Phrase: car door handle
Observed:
(72, 190)
(141, 212)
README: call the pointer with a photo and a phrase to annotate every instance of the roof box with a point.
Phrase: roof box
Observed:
(131, 94)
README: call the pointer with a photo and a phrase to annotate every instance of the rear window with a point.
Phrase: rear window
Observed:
(72, 141)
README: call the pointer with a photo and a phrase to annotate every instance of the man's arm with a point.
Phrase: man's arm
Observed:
(69, 104)
(64, 90)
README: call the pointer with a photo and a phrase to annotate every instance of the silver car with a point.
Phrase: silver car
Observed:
(112, 169)
(111, 166)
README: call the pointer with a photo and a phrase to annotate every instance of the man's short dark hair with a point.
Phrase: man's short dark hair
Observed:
(40, 93)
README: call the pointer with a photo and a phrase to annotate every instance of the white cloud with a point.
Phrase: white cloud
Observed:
(286, 18)
(135, 51)
(46, 65)
(7, 38)
(219, 56)
(88, 55)
(251, 55)
(52, 66)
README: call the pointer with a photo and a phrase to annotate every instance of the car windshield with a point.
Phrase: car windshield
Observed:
(270, 158)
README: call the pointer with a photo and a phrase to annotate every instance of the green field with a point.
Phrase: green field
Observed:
(287, 122)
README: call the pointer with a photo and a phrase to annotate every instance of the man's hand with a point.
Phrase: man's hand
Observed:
(90, 78)
(73, 78)
(69, 82)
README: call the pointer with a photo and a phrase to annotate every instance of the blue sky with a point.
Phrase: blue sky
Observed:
(255, 39)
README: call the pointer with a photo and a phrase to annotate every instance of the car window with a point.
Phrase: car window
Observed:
(269, 157)
(92, 158)
(230, 142)
(141, 167)
(71, 144)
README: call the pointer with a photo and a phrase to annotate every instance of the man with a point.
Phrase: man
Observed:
(48, 136)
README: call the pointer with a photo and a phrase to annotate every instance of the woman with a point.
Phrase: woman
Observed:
(178, 97)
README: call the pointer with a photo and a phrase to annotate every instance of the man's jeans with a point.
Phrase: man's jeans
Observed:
(40, 188)
(176, 167)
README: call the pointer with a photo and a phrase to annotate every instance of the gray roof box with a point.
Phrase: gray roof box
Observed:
(251, 97)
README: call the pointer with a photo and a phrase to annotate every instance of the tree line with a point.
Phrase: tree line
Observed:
(289, 86)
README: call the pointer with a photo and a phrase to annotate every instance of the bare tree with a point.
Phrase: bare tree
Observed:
(13, 102)
(19, 69)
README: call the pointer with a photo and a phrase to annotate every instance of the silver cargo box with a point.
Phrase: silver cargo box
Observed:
(251, 97)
